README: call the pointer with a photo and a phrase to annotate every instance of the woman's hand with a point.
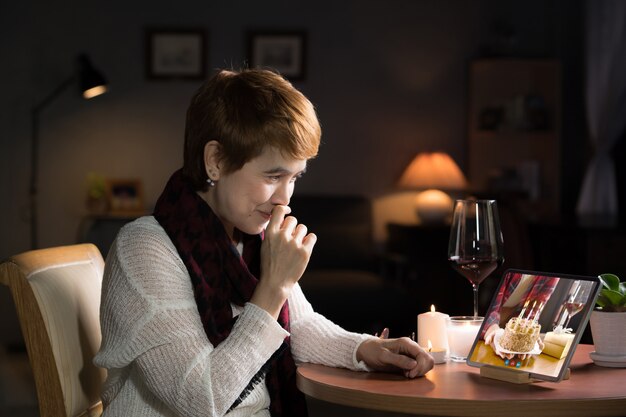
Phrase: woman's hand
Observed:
(285, 253)
(490, 336)
(395, 354)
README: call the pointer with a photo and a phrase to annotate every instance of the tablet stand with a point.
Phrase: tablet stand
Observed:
(508, 375)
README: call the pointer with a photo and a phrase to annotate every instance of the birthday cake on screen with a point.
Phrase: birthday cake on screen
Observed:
(520, 335)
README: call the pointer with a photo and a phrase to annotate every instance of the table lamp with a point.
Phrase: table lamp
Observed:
(91, 83)
(433, 173)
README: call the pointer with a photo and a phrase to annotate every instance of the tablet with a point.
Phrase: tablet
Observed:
(534, 323)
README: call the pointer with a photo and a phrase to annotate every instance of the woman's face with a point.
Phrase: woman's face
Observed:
(244, 199)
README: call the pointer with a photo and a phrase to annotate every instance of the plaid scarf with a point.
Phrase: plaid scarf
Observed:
(540, 290)
(220, 276)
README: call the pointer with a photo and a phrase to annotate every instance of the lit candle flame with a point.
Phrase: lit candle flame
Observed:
(430, 345)
(432, 308)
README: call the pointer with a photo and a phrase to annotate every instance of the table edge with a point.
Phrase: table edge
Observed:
(458, 407)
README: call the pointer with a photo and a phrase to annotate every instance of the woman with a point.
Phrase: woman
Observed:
(201, 309)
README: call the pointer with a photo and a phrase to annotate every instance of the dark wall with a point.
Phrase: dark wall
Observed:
(575, 148)
(388, 80)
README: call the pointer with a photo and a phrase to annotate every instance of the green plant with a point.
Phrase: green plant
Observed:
(96, 186)
(612, 296)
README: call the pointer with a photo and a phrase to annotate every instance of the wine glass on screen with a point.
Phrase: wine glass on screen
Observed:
(579, 293)
(475, 248)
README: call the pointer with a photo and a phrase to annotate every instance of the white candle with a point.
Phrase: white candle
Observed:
(461, 334)
(439, 355)
(432, 326)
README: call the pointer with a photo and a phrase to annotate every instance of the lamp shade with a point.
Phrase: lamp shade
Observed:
(90, 81)
(433, 170)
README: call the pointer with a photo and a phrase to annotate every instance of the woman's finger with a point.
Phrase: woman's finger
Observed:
(309, 241)
(278, 217)
(500, 354)
(424, 364)
(403, 353)
(300, 232)
(289, 225)
(399, 360)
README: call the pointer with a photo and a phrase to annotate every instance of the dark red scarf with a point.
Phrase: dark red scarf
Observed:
(220, 276)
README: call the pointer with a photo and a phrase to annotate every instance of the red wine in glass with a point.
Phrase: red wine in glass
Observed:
(475, 270)
(573, 308)
(579, 293)
(475, 248)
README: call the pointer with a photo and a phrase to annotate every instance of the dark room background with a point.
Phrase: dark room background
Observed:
(388, 79)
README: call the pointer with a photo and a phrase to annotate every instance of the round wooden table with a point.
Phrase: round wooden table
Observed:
(456, 389)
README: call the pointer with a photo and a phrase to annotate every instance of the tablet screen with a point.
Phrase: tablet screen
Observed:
(534, 323)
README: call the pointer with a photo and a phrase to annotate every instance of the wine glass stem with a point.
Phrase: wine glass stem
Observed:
(567, 321)
(475, 288)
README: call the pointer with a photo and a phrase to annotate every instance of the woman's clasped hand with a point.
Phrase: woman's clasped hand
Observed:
(390, 355)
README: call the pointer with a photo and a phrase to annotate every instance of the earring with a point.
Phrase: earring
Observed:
(210, 182)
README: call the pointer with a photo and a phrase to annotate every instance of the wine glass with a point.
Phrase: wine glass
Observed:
(579, 293)
(475, 248)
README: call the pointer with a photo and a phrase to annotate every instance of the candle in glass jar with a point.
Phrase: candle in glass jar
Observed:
(462, 331)
(432, 326)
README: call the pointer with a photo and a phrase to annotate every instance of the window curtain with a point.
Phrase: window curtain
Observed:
(606, 102)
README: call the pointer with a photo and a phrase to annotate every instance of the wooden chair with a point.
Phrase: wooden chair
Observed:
(57, 297)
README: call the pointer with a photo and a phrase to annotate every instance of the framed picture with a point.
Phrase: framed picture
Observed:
(176, 53)
(124, 195)
(281, 51)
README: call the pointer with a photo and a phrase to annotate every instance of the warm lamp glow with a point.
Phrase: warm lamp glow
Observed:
(433, 206)
(90, 81)
(95, 91)
(433, 172)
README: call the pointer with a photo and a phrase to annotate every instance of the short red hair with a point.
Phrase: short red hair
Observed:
(246, 111)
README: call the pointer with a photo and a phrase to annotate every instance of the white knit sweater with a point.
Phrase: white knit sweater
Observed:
(159, 359)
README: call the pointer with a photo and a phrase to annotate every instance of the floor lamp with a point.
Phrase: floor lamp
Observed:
(91, 84)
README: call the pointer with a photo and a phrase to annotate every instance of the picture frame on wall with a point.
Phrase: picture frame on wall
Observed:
(176, 53)
(124, 195)
(283, 51)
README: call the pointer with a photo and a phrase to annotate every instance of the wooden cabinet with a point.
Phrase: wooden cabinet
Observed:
(514, 130)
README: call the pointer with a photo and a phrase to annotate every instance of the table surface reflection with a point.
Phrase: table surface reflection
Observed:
(456, 389)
